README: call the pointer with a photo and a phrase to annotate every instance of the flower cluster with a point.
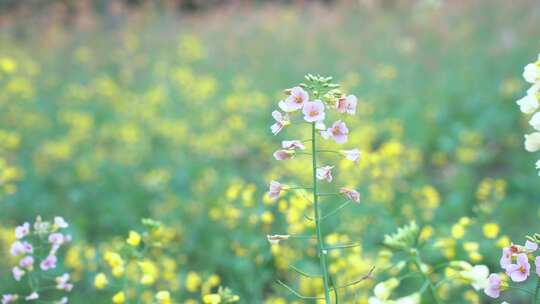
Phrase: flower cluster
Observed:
(314, 102)
(529, 105)
(36, 248)
(516, 262)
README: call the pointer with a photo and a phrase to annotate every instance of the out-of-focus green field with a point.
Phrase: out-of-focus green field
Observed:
(149, 114)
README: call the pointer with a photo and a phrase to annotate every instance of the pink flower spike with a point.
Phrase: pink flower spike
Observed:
(275, 189)
(60, 222)
(493, 289)
(284, 154)
(281, 122)
(352, 155)
(338, 132)
(17, 273)
(350, 194)
(292, 145)
(325, 173)
(531, 246)
(313, 111)
(347, 105)
(295, 100)
(48, 263)
(33, 296)
(22, 231)
(520, 271)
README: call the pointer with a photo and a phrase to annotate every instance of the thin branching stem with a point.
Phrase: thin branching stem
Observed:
(337, 247)
(320, 240)
(296, 293)
(304, 273)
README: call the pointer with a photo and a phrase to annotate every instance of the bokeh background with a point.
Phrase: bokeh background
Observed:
(113, 111)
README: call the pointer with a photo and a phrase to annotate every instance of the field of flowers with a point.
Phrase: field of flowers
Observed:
(136, 154)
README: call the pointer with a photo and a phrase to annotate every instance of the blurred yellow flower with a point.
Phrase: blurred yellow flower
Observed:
(193, 281)
(163, 297)
(134, 238)
(212, 299)
(119, 298)
(491, 230)
(100, 281)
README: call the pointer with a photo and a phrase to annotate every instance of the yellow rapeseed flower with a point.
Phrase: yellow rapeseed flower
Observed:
(193, 281)
(163, 297)
(119, 298)
(491, 230)
(212, 299)
(100, 281)
(134, 238)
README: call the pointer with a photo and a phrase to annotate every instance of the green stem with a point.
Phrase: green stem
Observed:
(320, 240)
(536, 291)
(427, 279)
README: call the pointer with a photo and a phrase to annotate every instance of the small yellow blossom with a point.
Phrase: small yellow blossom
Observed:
(491, 230)
(119, 298)
(212, 298)
(100, 281)
(134, 238)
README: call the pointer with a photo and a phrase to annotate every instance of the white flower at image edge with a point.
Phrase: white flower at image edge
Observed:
(528, 104)
(532, 142)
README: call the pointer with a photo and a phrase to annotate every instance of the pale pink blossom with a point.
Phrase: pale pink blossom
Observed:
(537, 264)
(313, 111)
(41, 227)
(33, 296)
(284, 154)
(520, 271)
(22, 231)
(17, 273)
(63, 300)
(275, 189)
(48, 263)
(338, 132)
(506, 257)
(292, 145)
(493, 289)
(295, 100)
(62, 283)
(9, 298)
(352, 155)
(27, 262)
(18, 248)
(531, 246)
(350, 194)
(56, 239)
(60, 222)
(282, 120)
(276, 238)
(347, 105)
(325, 173)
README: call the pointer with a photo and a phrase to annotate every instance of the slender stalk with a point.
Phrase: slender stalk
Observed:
(427, 279)
(320, 240)
(536, 291)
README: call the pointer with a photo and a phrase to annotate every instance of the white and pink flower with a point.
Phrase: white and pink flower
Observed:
(282, 120)
(493, 289)
(22, 231)
(48, 263)
(313, 111)
(347, 105)
(275, 189)
(33, 296)
(338, 132)
(325, 173)
(59, 222)
(284, 154)
(352, 155)
(62, 282)
(17, 273)
(350, 194)
(27, 262)
(519, 271)
(9, 298)
(295, 101)
(292, 145)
